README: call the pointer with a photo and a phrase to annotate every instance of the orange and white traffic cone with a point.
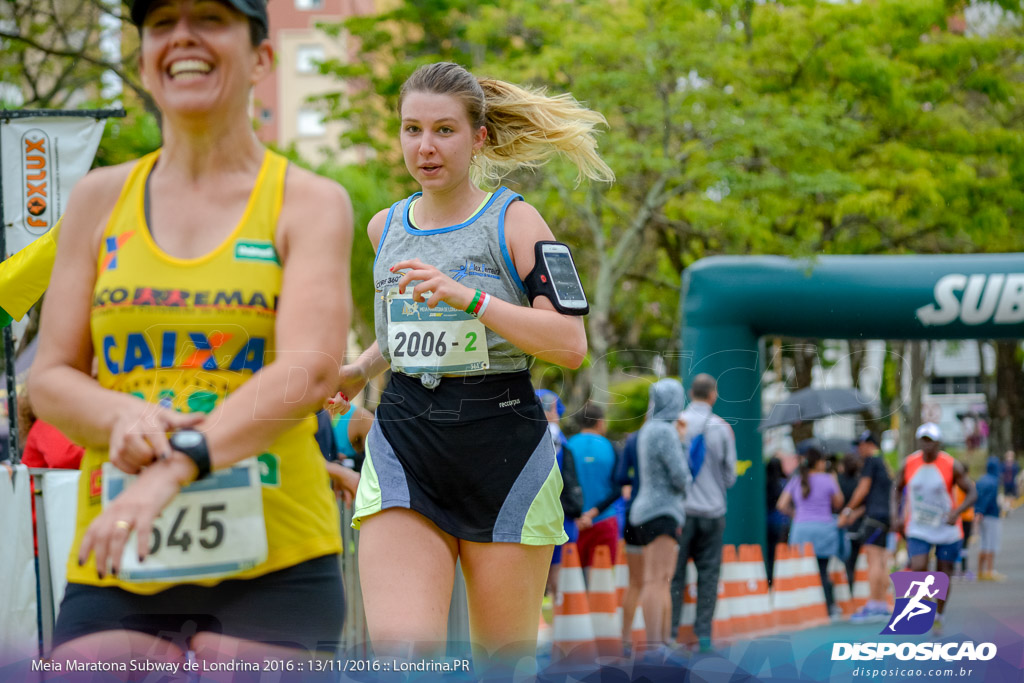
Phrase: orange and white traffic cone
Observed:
(760, 620)
(728, 610)
(784, 588)
(841, 592)
(813, 610)
(573, 628)
(798, 598)
(604, 611)
(621, 574)
(861, 592)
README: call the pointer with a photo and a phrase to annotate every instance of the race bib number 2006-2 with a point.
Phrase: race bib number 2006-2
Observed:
(214, 527)
(440, 339)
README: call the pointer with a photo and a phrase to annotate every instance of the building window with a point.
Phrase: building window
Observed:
(956, 385)
(311, 123)
(307, 57)
(309, 4)
(266, 115)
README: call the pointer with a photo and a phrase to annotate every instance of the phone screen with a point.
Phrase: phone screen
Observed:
(563, 277)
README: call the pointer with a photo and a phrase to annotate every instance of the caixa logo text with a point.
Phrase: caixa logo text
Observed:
(37, 165)
(947, 652)
(998, 297)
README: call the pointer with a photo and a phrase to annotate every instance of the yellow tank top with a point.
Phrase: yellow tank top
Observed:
(186, 333)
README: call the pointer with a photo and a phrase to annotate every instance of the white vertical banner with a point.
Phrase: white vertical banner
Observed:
(60, 502)
(43, 158)
(18, 623)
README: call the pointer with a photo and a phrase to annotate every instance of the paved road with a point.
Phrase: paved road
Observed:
(978, 612)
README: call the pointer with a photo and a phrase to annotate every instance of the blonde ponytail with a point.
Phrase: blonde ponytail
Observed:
(524, 127)
(528, 128)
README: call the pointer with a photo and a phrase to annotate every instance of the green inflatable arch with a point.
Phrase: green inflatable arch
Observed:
(728, 303)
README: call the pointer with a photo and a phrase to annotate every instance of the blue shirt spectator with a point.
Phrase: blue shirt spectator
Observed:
(1010, 471)
(988, 489)
(595, 467)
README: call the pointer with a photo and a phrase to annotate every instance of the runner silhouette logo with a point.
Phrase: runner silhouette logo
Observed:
(915, 611)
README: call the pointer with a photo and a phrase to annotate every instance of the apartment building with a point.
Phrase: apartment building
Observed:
(281, 103)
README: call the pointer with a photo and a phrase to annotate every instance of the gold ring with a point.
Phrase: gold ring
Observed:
(121, 524)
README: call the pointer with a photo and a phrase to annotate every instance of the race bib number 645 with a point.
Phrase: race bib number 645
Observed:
(214, 527)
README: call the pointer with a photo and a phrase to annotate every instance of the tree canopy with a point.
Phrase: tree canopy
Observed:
(794, 127)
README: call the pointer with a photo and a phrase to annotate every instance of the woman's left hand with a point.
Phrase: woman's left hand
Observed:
(441, 286)
(134, 510)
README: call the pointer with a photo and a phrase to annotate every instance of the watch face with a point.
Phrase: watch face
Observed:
(186, 439)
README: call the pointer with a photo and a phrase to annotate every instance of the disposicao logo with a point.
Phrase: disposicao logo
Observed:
(915, 612)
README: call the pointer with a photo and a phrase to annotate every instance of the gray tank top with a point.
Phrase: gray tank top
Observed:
(473, 253)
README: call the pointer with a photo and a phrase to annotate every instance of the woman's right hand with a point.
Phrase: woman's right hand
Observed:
(352, 380)
(135, 509)
(139, 435)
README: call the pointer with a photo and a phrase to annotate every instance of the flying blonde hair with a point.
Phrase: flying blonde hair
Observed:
(525, 127)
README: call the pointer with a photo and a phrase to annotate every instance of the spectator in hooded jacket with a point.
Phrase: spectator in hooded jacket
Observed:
(658, 510)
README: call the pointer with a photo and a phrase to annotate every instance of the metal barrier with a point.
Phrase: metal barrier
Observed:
(354, 637)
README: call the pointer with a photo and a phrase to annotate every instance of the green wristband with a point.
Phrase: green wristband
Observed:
(472, 304)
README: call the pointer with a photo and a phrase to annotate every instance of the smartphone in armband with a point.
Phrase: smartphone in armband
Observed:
(554, 275)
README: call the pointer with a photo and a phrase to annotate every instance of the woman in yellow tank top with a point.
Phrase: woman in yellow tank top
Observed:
(210, 281)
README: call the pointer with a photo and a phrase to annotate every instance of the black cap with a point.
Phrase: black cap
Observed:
(866, 437)
(254, 9)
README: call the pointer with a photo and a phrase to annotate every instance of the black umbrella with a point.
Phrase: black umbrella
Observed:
(813, 404)
(835, 445)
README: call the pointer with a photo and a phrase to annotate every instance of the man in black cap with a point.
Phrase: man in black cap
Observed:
(873, 492)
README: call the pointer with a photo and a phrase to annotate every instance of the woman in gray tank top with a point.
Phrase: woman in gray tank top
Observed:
(458, 464)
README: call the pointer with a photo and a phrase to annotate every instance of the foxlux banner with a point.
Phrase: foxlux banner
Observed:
(43, 158)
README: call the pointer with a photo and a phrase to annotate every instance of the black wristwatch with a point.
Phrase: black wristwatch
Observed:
(193, 444)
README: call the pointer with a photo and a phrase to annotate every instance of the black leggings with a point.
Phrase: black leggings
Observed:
(826, 583)
(300, 607)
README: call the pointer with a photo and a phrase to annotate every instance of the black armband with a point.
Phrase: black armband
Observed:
(554, 275)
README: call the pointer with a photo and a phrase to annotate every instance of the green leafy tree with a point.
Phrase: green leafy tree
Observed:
(806, 128)
(391, 45)
(55, 53)
(369, 190)
(792, 128)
